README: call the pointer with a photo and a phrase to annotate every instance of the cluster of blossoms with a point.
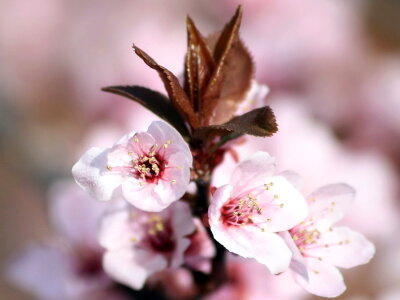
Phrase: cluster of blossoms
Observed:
(162, 212)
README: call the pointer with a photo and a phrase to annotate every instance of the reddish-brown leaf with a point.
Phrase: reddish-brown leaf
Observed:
(155, 102)
(199, 63)
(231, 78)
(175, 92)
(258, 122)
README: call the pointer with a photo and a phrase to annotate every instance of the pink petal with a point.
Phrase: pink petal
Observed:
(283, 206)
(347, 248)
(182, 220)
(115, 232)
(91, 174)
(270, 250)
(181, 245)
(132, 268)
(330, 203)
(323, 279)
(163, 132)
(298, 263)
(29, 273)
(221, 195)
(201, 249)
(267, 248)
(75, 214)
(145, 143)
(293, 177)
(252, 172)
(142, 196)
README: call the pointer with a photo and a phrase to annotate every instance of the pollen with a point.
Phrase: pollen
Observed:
(173, 181)
(109, 168)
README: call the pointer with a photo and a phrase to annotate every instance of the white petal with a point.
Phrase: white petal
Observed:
(298, 263)
(293, 177)
(42, 271)
(182, 220)
(132, 268)
(347, 248)
(330, 203)
(91, 173)
(283, 206)
(143, 196)
(252, 172)
(221, 195)
(163, 133)
(324, 279)
(267, 248)
(75, 214)
(115, 231)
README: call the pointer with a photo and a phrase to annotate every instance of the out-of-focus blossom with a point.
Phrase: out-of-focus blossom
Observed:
(150, 169)
(255, 97)
(245, 214)
(177, 283)
(247, 279)
(139, 244)
(69, 268)
(319, 248)
(201, 249)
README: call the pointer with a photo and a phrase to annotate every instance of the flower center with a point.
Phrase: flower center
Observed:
(159, 236)
(248, 208)
(148, 167)
(240, 211)
(304, 237)
(89, 263)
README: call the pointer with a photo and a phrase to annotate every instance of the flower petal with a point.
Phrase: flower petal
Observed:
(142, 196)
(221, 195)
(330, 203)
(346, 248)
(132, 268)
(42, 271)
(115, 232)
(293, 177)
(182, 220)
(267, 248)
(91, 174)
(252, 172)
(298, 263)
(201, 250)
(164, 133)
(324, 279)
(74, 214)
(283, 206)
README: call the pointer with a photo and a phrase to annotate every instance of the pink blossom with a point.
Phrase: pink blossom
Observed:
(150, 169)
(322, 160)
(249, 280)
(176, 283)
(245, 214)
(319, 248)
(139, 244)
(69, 267)
(198, 255)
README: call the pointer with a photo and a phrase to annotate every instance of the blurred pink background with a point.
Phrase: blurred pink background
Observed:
(333, 68)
